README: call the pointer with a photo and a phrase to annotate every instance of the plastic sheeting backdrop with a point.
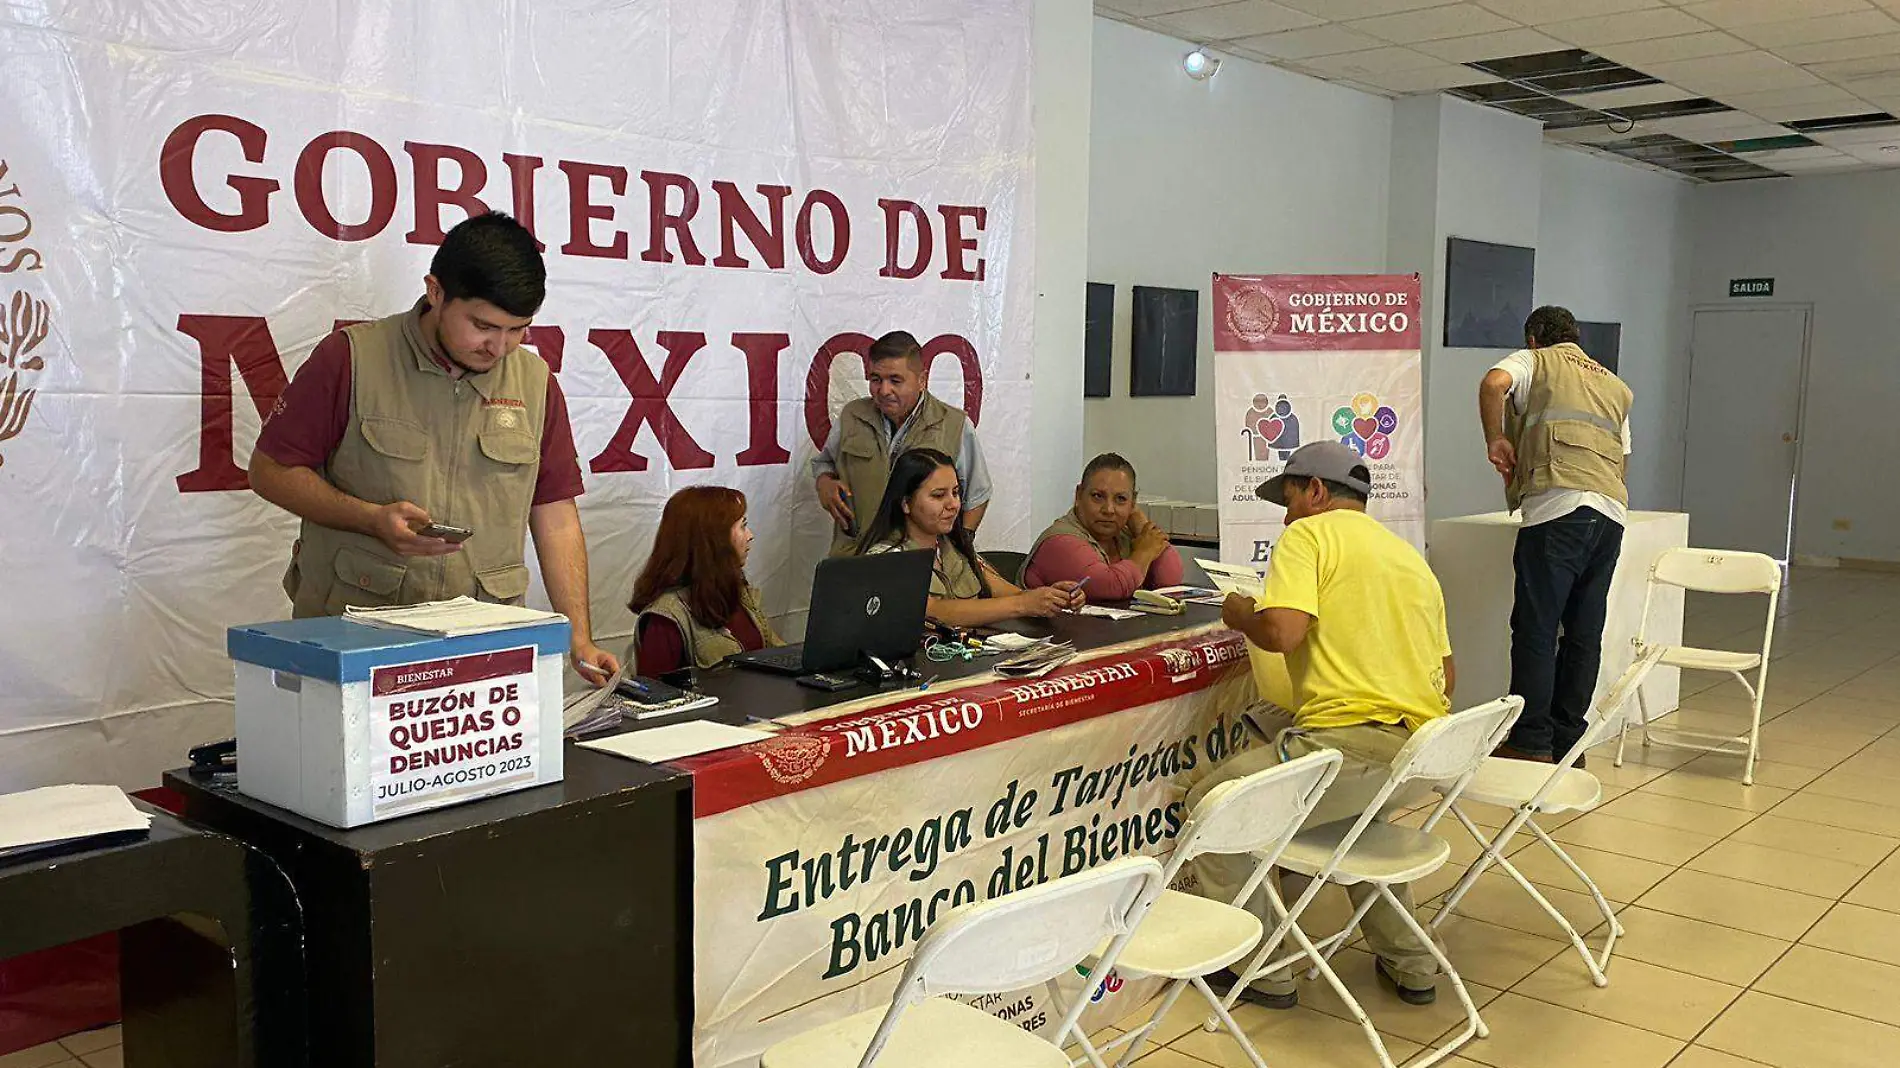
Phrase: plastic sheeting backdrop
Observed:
(735, 196)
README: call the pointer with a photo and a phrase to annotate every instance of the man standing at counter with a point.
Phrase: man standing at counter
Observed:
(1360, 619)
(420, 450)
(872, 432)
(1562, 450)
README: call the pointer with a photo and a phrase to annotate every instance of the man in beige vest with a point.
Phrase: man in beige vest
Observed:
(435, 418)
(872, 432)
(1563, 450)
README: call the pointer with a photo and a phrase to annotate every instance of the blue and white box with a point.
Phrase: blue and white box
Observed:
(350, 723)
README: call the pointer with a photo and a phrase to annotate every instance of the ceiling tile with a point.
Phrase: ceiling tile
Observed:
(1796, 112)
(1729, 14)
(1490, 46)
(1725, 126)
(1887, 154)
(1783, 155)
(1853, 48)
(1365, 66)
(1803, 94)
(1629, 26)
(1227, 21)
(1539, 12)
(1778, 35)
(1743, 71)
(1847, 70)
(1423, 81)
(1885, 85)
(1314, 41)
(1434, 23)
(1342, 10)
(1144, 8)
(1600, 133)
(1141, 9)
(1820, 163)
(1639, 94)
(1640, 54)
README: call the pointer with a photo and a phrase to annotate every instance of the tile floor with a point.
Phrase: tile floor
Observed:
(1763, 922)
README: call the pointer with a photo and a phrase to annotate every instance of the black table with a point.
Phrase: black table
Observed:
(550, 926)
(210, 945)
(745, 694)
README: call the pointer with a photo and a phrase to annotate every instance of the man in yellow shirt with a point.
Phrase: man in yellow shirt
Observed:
(1360, 619)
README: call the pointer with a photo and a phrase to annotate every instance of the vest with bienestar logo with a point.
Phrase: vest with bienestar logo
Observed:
(864, 460)
(1570, 434)
(467, 451)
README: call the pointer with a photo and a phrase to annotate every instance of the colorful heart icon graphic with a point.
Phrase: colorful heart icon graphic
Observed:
(1377, 446)
(1388, 420)
(1365, 428)
(1342, 422)
(1365, 404)
(1355, 442)
(1271, 429)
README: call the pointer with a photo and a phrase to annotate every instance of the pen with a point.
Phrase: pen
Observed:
(1078, 589)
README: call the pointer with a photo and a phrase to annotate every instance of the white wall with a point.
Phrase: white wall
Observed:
(1615, 246)
(1062, 47)
(1256, 170)
(1833, 242)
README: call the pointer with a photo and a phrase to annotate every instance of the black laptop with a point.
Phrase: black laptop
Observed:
(871, 605)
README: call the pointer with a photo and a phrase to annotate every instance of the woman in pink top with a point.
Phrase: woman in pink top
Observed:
(1105, 540)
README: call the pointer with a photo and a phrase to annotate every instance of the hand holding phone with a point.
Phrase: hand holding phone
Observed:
(452, 535)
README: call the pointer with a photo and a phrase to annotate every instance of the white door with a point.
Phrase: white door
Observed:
(1738, 470)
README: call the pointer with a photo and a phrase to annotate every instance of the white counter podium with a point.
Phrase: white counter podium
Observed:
(1472, 558)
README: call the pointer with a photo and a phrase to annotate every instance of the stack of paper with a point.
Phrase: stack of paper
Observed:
(661, 744)
(451, 618)
(1038, 660)
(57, 816)
(1232, 578)
(1105, 612)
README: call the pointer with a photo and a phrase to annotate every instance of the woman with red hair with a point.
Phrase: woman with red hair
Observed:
(693, 604)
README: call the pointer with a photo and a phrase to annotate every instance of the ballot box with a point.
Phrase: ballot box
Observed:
(350, 723)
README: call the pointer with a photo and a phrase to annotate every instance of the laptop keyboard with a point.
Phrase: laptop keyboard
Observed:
(788, 657)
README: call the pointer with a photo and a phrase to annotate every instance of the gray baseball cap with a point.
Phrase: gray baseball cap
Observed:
(1330, 460)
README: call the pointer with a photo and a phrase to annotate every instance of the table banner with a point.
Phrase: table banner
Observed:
(1305, 358)
(815, 879)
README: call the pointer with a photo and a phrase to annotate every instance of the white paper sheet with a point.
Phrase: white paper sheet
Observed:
(62, 813)
(1231, 578)
(453, 617)
(677, 740)
(1105, 612)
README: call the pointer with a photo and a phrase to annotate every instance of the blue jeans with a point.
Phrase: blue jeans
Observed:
(1563, 592)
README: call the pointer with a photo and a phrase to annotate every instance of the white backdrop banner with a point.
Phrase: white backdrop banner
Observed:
(1305, 358)
(735, 196)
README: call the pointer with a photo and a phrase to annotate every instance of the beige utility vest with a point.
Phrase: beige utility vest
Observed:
(466, 450)
(1570, 435)
(706, 647)
(951, 577)
(864, 460)
(1070, 526)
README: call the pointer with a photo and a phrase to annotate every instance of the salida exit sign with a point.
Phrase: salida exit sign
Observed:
(1751, 287)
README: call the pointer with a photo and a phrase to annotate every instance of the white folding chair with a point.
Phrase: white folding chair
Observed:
(1185, 937)
(1712, 571)
(1533, 788)
(989, 947)
(1370, 850)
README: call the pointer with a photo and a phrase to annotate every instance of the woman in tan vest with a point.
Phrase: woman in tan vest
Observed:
(923, 509)
(1105, 540)
(692, 600)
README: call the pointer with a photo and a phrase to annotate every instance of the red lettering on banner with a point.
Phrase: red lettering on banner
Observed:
(761, 375)
(894, 210)
(661, 219)
(308, 184)
(431, 195)
(650, 401)
(175, 174)
(768, 238)
(225, 341)
(840, 232)
(956, 246)
(582, 211)
(521, 180)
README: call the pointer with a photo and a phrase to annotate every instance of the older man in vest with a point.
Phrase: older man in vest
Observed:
(434, 418)
(1556, 424)
(872, 432)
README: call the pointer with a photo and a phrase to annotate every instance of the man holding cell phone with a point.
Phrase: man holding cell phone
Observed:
(422, 450)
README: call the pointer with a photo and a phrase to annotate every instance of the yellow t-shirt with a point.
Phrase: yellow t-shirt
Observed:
(1376, 650)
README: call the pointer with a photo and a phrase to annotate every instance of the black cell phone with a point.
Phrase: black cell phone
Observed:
(827, 683)
(453, 535)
